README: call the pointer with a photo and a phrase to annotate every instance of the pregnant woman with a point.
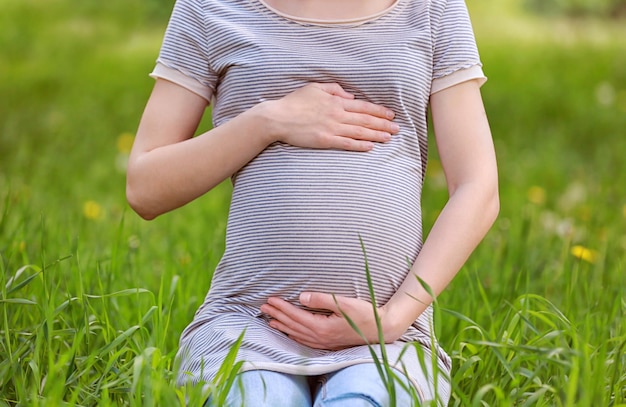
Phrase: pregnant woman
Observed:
(319, 112)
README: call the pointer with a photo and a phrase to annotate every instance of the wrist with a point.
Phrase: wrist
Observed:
(398, 315)
(392, 326)
(264, 120)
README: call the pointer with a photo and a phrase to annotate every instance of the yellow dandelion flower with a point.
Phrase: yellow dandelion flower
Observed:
(125, 142)
(92, 210)
(537, 195)
(22, 246)
(583, 253)
(624, 211)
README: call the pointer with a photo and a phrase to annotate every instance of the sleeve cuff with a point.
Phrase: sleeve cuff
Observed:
(173, 75)
(474, 72)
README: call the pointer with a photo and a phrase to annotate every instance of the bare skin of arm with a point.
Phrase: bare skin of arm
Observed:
(168, 167)
(467, 155)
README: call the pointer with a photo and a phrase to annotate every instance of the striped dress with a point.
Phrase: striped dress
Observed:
(299, 217)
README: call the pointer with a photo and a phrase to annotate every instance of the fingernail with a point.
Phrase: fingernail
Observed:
(395, 127)
(390, 114)
(305, 298)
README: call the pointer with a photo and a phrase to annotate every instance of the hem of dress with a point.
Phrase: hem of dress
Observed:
(303, 370)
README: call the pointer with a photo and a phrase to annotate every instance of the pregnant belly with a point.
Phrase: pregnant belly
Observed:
(308, 220)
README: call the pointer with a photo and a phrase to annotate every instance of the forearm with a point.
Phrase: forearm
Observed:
(460, 227)
(468, 158)
(172, 175)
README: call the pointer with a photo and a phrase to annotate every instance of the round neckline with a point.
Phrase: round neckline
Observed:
(328, 22)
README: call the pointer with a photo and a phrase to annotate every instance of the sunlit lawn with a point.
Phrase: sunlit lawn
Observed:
(92, 299)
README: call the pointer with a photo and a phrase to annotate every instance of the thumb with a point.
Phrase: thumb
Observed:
(319, 301)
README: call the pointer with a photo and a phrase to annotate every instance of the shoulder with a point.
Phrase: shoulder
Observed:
(441, 8)
(210, 16)
(432, 10)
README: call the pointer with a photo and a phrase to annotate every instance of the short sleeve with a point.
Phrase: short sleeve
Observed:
(183, 58)
(455, 54)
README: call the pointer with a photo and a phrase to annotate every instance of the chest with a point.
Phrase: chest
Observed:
(388, 61)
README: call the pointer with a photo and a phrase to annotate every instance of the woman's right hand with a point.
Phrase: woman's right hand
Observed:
(324, 115)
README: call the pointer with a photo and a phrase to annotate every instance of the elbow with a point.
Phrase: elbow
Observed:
(138, 203)
(492, 205)
(140, 195)
(485, 202)
(489, 201)
(495, 208)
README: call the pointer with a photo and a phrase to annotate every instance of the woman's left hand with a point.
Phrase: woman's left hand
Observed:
(328, 331)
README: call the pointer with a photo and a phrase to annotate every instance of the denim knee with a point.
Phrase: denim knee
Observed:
(362, 386)
(265, 388)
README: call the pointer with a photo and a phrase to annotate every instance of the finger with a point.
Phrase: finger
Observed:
(362, 133)
(290, 331)
(364, 107)
(304, 322)
(313, 341)
(334, 89)
(321, 301)
(371, 122)
(291, 328)
(290, 312)
(331, 344)
(346, 143)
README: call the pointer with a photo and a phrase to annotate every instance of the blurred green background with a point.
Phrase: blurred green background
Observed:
(73, 84)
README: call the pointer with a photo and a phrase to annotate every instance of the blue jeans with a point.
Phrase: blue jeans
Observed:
(354, 386)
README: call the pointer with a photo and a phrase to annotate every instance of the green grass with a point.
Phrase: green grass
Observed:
(93, 300)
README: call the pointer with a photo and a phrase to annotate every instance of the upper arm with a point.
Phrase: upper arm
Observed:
(172, 115)
(463, 136)
(184, 80)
